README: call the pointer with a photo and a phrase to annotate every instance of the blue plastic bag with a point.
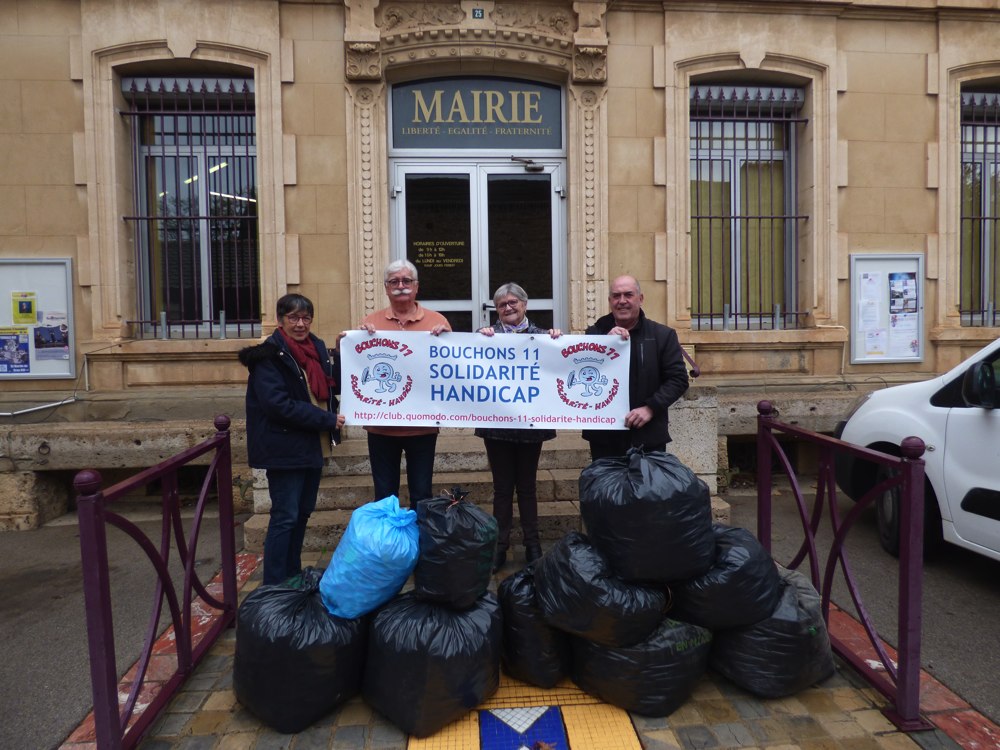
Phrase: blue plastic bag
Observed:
(375, 556)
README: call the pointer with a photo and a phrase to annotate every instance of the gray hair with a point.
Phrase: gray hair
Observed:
(400, 265)
(509, 288)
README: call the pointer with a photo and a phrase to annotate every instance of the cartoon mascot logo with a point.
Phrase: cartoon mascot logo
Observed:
(383, 378)
(592, 384)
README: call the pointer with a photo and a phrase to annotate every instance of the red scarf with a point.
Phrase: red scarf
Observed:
(305, 354)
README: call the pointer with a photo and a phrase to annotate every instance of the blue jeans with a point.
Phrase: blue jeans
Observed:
(385, 453)
(293, 498)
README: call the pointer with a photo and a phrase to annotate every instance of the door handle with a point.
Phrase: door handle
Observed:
(488, 306)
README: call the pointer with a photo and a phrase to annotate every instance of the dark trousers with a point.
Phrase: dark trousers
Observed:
(514, 466)
(293, 498)
(386, 451)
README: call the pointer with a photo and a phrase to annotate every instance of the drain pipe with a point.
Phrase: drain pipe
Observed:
(54, 404)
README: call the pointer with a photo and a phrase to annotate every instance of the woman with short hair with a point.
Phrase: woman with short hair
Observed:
(514, 452)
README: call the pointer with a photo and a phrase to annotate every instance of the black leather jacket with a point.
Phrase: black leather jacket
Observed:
(657, 377)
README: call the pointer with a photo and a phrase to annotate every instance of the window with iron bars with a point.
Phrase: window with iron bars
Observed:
(979, 271)
(744, 222)
(195, 228)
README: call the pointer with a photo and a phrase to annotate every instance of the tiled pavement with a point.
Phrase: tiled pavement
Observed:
(842, 712)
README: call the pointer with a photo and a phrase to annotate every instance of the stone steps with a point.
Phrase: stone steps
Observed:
(460, 461)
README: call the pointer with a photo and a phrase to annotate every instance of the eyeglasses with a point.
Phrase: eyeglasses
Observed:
(508, 303)
(406, 281)
(293, 319)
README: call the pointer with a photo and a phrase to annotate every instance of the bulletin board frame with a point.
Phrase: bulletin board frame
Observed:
(887, 308)
(37, 330)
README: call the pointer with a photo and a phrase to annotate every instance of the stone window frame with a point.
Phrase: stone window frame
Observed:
(948, 258)
(107, 257)
(819, 269)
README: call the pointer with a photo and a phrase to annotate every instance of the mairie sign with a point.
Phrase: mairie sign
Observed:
(472, 380)
(480, 113)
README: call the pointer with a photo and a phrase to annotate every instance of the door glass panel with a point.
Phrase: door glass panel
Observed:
(438, 235)
(519, 210)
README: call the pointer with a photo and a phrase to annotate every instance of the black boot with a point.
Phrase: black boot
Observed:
(499, 558)
(532, 551)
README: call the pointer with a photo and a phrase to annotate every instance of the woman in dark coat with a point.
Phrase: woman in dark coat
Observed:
(514, 452)
(292, 424)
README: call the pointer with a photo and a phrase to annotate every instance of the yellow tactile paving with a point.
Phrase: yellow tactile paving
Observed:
(460, 735)
(514, 693)
(599, 727)
(590, 724)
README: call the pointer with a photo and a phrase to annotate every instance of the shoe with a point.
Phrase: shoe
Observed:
(499, 559)
(532, 552)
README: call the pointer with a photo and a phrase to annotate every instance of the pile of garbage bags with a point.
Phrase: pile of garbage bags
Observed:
(634, 610)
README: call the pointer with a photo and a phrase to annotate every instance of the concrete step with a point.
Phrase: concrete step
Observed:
(555, 520)
(348, 492)
(460, 460)
(460, 452)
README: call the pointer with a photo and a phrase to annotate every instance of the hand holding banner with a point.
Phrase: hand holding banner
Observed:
(471, 380)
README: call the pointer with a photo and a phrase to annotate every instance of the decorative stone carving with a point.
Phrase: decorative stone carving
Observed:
(593, 267)
(363, 61)
(590, 64)
(536, 18)
(365, 202)
(399, 18)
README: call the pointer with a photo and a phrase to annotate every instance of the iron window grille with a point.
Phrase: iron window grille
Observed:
(745, 228)
(195, 229)
(979, 271)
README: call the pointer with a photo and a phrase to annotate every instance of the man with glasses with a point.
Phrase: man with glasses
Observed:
(292, 424)
(387, 445)
(657, 376)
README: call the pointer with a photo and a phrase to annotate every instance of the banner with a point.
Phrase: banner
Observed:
(472, 380)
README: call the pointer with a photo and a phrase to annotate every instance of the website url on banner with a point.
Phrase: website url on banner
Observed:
(377, 417)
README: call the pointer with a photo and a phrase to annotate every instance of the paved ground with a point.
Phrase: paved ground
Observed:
(841, 712)
(45, 671)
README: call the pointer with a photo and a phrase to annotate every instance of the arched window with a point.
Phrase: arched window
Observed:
(979, 264)
(744, 218)
(195, 226)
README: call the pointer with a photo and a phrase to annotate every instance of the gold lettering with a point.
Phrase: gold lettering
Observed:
(477, 98)
(531, 102)
(457, 105)
(420, 106)
(494, 106)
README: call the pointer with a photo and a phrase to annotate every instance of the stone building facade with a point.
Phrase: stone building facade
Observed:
(737, 157)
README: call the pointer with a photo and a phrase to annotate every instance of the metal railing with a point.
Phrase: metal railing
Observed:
(898, 680)
(122, 726)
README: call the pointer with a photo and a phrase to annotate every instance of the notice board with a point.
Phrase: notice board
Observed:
(887, 308)
(36, 319)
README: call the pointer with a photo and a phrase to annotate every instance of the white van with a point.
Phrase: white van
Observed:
(956, 416)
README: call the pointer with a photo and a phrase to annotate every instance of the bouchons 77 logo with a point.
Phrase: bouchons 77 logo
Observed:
(384, 381)
(586, 387)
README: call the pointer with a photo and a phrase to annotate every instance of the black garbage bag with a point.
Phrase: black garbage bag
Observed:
(457, 545)
(533, 652)
(429, 664)
(741, 588)
(577, 591)
(783, 654)
(652, 678)
(650, 515)
(295, 662)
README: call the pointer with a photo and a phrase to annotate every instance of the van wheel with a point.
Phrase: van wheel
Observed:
(887, 515)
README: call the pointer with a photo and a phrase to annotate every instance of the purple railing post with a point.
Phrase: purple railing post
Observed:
(227, 541)
(911, 555)
(766, 414)
(97, 602)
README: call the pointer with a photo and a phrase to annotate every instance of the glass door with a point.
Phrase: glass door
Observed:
(468, 228)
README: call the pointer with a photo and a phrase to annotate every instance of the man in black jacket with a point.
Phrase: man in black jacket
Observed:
(292, 423)
(657, 376)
